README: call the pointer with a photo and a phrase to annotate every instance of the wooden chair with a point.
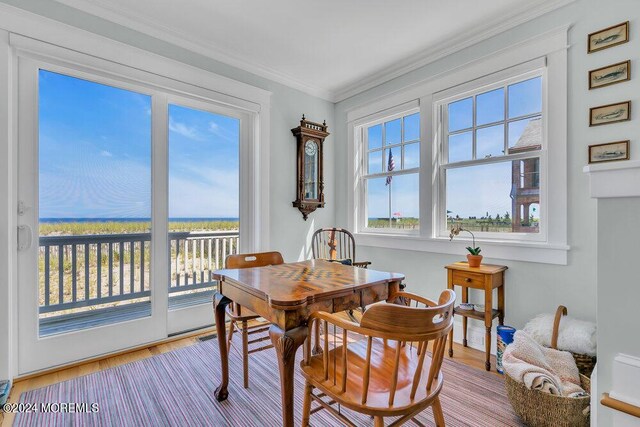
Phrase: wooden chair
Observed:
(385, 371)
(240, 317)
(335, 244)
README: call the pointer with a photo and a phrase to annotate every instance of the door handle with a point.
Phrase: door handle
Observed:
(25, 237)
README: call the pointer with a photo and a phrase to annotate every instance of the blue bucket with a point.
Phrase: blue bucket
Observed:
(505, 337)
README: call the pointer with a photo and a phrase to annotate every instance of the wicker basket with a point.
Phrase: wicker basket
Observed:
(585, 362)
(539, 409)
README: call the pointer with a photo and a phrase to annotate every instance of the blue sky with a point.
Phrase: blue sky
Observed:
(95, 154)
(471, 191)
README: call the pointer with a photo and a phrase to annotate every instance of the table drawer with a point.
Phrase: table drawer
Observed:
(466, 278)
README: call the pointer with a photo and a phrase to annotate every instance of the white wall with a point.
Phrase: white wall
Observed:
(618, 291)
(288, 231)
(530, 288)
(604, 235)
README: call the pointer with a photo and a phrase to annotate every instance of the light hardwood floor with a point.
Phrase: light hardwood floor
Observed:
(466, 355)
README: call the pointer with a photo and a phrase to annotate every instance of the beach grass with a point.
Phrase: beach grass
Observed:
(127, 227)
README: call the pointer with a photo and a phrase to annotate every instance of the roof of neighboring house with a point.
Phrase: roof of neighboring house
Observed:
(531, 138)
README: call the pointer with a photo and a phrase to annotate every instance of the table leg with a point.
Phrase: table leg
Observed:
(465, 298)
(220, 302)
(286, 345)
(488, 320)
(501, 304)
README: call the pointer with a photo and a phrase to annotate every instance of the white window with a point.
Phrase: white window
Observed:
(493, 158)
(490, 158)
(392, 165)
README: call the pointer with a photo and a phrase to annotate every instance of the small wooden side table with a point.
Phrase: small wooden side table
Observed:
(487, 277)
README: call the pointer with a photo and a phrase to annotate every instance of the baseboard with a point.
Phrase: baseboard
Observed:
(626, 377)
(475, 335)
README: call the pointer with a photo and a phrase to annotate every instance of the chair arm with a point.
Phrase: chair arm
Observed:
(361, 264)
(408, 296)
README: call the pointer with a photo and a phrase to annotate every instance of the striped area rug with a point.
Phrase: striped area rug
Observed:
(176, 389)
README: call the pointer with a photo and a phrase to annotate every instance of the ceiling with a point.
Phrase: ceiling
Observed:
(330, 48)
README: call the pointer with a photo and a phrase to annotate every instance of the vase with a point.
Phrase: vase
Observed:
(474, 260)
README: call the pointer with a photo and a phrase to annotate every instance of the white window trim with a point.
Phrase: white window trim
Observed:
(396, 113)
(522, 72)
(16, 23)
(551, 48)
(187, 90)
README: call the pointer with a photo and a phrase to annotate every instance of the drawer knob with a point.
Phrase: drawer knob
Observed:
(467, 279)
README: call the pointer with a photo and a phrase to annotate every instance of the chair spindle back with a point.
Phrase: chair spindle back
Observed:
(333, 243)
(415, 323)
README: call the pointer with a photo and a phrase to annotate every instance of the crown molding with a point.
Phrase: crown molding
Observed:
(142, 24)
(28, 31)
(469, 38)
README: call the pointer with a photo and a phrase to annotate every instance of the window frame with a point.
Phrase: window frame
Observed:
(548, 51)
(359, 139)
(398, 113)
(195, 89)
(501, 79)
(176, 81)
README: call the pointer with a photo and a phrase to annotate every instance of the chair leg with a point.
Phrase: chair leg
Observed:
(437, 412)
(245, 354)
(378, 422)
(232, 325)
(306, 404)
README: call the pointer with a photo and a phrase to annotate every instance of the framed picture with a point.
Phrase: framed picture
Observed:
(611, 113)
(609, 152)
(610, 75)
(608, 37)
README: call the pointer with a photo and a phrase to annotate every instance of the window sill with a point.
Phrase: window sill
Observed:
(544, 253)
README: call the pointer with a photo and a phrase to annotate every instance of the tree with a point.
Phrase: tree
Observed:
(507, 217)
(498, 217)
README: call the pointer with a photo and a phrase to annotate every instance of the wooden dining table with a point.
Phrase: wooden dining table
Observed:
(286, 295)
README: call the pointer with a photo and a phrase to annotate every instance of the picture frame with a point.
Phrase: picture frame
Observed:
(609, 152)
(611, 113)
(610, 75)
(608, 37)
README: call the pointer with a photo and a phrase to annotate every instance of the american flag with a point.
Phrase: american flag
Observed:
(390, 166)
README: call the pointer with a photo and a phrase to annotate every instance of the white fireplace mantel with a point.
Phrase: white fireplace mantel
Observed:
(614, 179)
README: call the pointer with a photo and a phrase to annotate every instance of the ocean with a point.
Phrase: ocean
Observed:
(74, 220)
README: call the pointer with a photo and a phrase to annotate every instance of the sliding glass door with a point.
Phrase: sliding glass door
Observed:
(204, 203)
(129, 199)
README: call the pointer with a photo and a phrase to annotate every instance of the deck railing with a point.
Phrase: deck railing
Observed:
(91, 270)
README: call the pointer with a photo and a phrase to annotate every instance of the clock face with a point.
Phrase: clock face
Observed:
(310, 148)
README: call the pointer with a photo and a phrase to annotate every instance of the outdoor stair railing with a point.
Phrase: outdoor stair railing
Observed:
(91, 270)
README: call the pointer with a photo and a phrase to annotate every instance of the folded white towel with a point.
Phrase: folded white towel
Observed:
(540, 368)
(577, 336)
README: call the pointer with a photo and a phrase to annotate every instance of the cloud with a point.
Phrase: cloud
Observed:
(204, 192)
(184, 130)
(105, 153)
(226, 131)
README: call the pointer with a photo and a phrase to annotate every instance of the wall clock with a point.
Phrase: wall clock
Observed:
(309, 180)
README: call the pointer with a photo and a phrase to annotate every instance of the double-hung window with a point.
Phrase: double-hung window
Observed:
(392, 165)
(492, 137)
(491, 157)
